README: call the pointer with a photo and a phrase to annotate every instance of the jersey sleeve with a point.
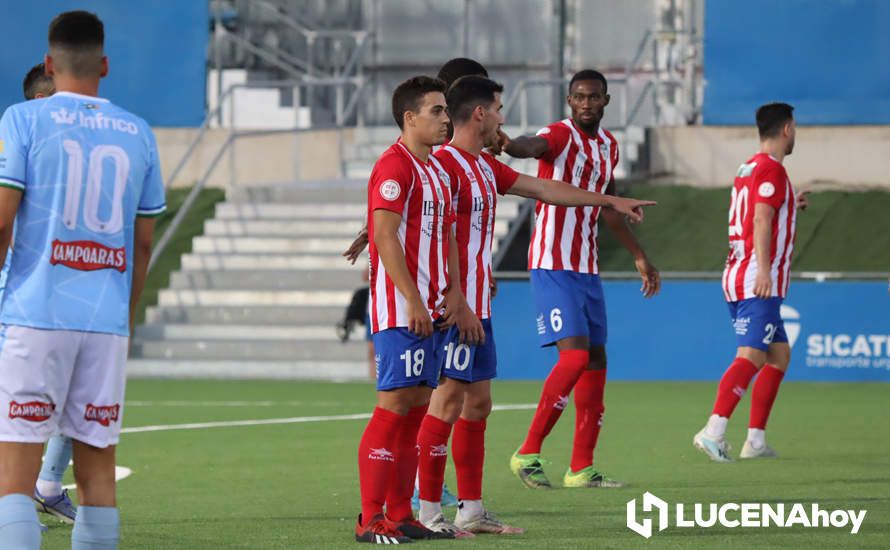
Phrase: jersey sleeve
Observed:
(769, 185)
(615, 158)
(14, 143)
(556, 136)
(390, 184)
(504, 176)
(152, 202)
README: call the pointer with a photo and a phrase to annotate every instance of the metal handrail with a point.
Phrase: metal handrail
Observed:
(187, 204)
(269, 54)
(342, 116)
(359, 82)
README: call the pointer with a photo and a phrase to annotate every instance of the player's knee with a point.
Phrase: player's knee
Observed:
(596, 358)
(779, 356)
(477, 408)
(451, 410)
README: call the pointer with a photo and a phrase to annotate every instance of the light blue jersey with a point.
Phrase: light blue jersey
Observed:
(86, 168)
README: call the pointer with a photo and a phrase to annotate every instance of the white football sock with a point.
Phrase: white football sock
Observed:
(470, 508)
(757, 438)
(716, 427)
(49, 488)
(429, 510)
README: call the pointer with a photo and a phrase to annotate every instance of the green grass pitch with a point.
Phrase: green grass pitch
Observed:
(295, 485)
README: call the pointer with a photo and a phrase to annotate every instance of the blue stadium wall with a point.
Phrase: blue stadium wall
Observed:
(840, 332)
(157, 53)
(828, 58)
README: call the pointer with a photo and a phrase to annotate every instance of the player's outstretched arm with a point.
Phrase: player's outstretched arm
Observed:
(386, 239)
(562, 194)
(526, 147)
(143, 234)
(358, 245)
(763, 233)
(457, 311)
(9, 205)
(618, 225)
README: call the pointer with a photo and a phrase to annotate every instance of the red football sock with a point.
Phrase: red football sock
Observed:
(468, 450)
(376, 460)
(433, 442)
(398, 497)
(733, 386)
(764, 395)
(554, 397)
(589, 410)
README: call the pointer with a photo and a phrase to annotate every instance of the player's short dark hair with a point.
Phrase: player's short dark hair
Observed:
(589, 74)
(76, 43)
(772, 117)
(37, 82)
(458, 67)
(467, 92)
(408, 95)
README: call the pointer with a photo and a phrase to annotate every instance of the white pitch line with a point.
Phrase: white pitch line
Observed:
(185, 403)
(291, 420)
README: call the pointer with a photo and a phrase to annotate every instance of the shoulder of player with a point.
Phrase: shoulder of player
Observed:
(559, 128)
(393, 164)
(768, 165)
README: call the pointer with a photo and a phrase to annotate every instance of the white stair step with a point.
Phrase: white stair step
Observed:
(211, 262)
(241, 370)
(260, 245)
(230, 210)
(237, 228)
(170, 297)
(239, 332)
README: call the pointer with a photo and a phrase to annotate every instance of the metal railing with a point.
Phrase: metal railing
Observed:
(342, 115)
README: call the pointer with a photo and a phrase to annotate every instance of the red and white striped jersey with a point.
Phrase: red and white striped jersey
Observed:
(761, 179)
(564, 238)
(420, 193)
(475, 184)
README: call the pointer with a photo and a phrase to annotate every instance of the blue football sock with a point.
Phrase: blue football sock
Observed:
(96, 528)
(19, 528)
(55, 462)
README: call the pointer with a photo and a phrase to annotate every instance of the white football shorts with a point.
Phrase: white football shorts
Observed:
(61, 381)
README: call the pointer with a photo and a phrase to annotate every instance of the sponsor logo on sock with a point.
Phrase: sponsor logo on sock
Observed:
(561, 403)
(439, 450)
(730, 514)
(381, 454)
(32, 411)
(103, 414)
(739, 391)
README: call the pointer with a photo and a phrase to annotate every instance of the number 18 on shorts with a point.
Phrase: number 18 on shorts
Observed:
(404, 360)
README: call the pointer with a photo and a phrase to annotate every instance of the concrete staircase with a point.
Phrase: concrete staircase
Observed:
(260, 292)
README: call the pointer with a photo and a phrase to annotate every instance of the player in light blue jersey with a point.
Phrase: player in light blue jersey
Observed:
(80, 180)
(49, 495)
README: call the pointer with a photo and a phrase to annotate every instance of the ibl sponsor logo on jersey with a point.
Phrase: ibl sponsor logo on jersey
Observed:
(96, 121)
(103, 414)
(88, 256)
(32, 411)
